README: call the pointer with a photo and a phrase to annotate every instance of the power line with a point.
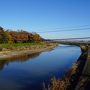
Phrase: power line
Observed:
(65, 30)
(50, 28)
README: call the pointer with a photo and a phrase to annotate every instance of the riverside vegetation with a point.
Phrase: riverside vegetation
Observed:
(19, 36)
(17, 43)
(10, 39)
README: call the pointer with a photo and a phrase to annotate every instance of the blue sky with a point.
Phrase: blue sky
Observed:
(46, 15)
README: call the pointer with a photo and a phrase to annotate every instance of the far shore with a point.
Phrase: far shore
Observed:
(6, 54)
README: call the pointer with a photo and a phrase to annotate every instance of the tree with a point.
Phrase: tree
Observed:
(3, 38)
(10, 36)
(37, 37)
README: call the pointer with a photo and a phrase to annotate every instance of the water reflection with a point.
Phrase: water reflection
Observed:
(21, 58)
(36, 68)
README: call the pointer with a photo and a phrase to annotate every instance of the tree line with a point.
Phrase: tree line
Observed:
(10, 36)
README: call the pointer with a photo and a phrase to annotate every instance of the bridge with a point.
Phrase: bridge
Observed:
(72, 41)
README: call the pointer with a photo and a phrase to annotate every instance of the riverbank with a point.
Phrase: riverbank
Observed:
(24, 49)
(71, 78)
(84, 82)
(80, 64)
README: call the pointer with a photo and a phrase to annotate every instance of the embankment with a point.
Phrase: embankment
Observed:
(84, 82)
(72, 77)
(77, 69)
(6, 54)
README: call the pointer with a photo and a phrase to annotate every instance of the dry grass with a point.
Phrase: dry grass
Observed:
(57, 84)
(62, 84)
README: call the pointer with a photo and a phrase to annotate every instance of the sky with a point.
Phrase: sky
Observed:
(47, 15)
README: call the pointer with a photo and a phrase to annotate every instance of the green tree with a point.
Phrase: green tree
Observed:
(9, 38)
(3, 37)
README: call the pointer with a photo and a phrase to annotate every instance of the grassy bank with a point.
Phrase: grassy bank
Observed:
(15, 46)
(18, 49)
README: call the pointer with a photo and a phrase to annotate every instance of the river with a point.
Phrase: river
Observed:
(28, 73)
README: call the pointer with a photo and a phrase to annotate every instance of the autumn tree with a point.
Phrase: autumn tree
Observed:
(10, 36)
(36, 37)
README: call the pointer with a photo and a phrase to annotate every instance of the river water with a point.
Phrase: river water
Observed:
(28, 73)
